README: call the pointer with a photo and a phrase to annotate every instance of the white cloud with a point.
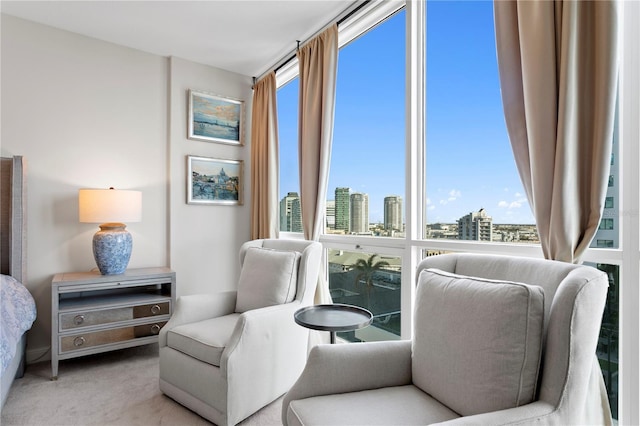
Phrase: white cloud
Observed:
(512, 205)
(454, 194)
(432, 207)
(428, 201)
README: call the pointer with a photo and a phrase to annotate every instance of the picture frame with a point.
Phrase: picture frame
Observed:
(214, 181)
(214, 118)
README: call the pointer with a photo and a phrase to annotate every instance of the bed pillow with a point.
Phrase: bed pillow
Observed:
(268, 277)
(477, 342)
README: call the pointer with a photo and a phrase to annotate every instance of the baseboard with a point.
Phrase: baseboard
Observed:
(38, 355)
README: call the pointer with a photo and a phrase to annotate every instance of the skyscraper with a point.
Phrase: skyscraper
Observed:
(359, 213)
(475, 226)
(342, 209)
(393, 213)
(608, 233)
(290, 213)
(330, 215)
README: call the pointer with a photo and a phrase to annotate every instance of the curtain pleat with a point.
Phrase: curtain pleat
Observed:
(558, 73)
(318, 67)
(264, 160)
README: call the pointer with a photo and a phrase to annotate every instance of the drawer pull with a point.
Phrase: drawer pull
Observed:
(155, 329)
(155, 309)
(78, 341)
(78, 319)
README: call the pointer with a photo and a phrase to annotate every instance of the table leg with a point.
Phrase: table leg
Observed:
(333, 337)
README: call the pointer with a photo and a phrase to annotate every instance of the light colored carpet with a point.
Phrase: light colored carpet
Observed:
(115, 388)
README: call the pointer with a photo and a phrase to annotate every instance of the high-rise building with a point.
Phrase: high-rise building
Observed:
(330, 215)
(290, 213)
(393, 213)
(475, 226)
(359, 213)
(342, 209)
(607, 235)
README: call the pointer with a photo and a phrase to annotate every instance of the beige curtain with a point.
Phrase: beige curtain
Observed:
(264, 160)
(558, 74)
(318, 66)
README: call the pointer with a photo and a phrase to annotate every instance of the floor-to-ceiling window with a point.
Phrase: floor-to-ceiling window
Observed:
(470, 197)
(364, 217)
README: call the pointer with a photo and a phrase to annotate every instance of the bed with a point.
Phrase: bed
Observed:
(18, 309)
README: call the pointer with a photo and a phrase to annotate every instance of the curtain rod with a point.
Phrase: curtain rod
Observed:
(284, 61)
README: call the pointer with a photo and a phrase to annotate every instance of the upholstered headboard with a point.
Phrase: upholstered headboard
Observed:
(13, 221)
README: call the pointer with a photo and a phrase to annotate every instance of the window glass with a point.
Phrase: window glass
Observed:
(606, 223)
(371, 281)
(607, 235)
(608, 203)
(290, 214)
(367, 173)
(473, 189)
(604, 243)
(608, 342)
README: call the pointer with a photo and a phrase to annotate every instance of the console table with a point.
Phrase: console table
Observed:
(333, 318)
(93, 313)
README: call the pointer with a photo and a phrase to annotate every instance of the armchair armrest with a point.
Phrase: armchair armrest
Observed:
(539, 412)
(198, 307)
(263, 330)
(341, 368)
(264, 356)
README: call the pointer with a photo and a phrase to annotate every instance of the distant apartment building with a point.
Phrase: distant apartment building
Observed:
(393, 213)
(290, 213)
(342, 204)
(359, 217)
(475, 226)
(607, 235)
(330, 215)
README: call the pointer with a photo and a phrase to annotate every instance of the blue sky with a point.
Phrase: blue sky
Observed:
(469, 160)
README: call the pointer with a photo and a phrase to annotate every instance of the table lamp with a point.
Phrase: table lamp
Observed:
(110, 207)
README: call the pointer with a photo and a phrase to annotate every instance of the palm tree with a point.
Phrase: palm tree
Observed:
(366, 269)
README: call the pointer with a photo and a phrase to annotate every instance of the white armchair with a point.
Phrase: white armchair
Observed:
(497, 340)
(227, 355)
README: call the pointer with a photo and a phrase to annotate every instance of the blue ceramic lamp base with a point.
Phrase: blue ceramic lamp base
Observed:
(112, 248)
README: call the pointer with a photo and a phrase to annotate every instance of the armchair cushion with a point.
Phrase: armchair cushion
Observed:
(406, 405)
(268, 277)
(203, 340)
(478, 346)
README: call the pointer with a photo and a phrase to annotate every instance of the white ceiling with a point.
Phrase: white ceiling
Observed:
(243, 36)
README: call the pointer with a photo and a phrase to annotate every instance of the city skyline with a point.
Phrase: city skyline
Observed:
(287, 201)
(469, 162)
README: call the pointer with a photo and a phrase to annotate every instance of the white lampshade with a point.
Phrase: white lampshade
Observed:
(109, 205)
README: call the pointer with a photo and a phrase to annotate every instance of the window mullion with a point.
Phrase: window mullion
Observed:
(415, 108)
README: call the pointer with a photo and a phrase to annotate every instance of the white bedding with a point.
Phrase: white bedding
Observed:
(18, 312)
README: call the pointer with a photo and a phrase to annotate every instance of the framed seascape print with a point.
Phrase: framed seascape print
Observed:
(215, 118)
(214, 181)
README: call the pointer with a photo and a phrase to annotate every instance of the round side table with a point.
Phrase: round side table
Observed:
(333, 318)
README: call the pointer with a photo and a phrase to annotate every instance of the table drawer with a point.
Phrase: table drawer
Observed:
(79, 319)
(81, 341)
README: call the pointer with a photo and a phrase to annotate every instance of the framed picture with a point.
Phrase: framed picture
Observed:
(215, 118)
(214, 181)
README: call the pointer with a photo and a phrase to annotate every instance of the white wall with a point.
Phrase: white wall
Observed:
(87, 113)
(205, 239)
